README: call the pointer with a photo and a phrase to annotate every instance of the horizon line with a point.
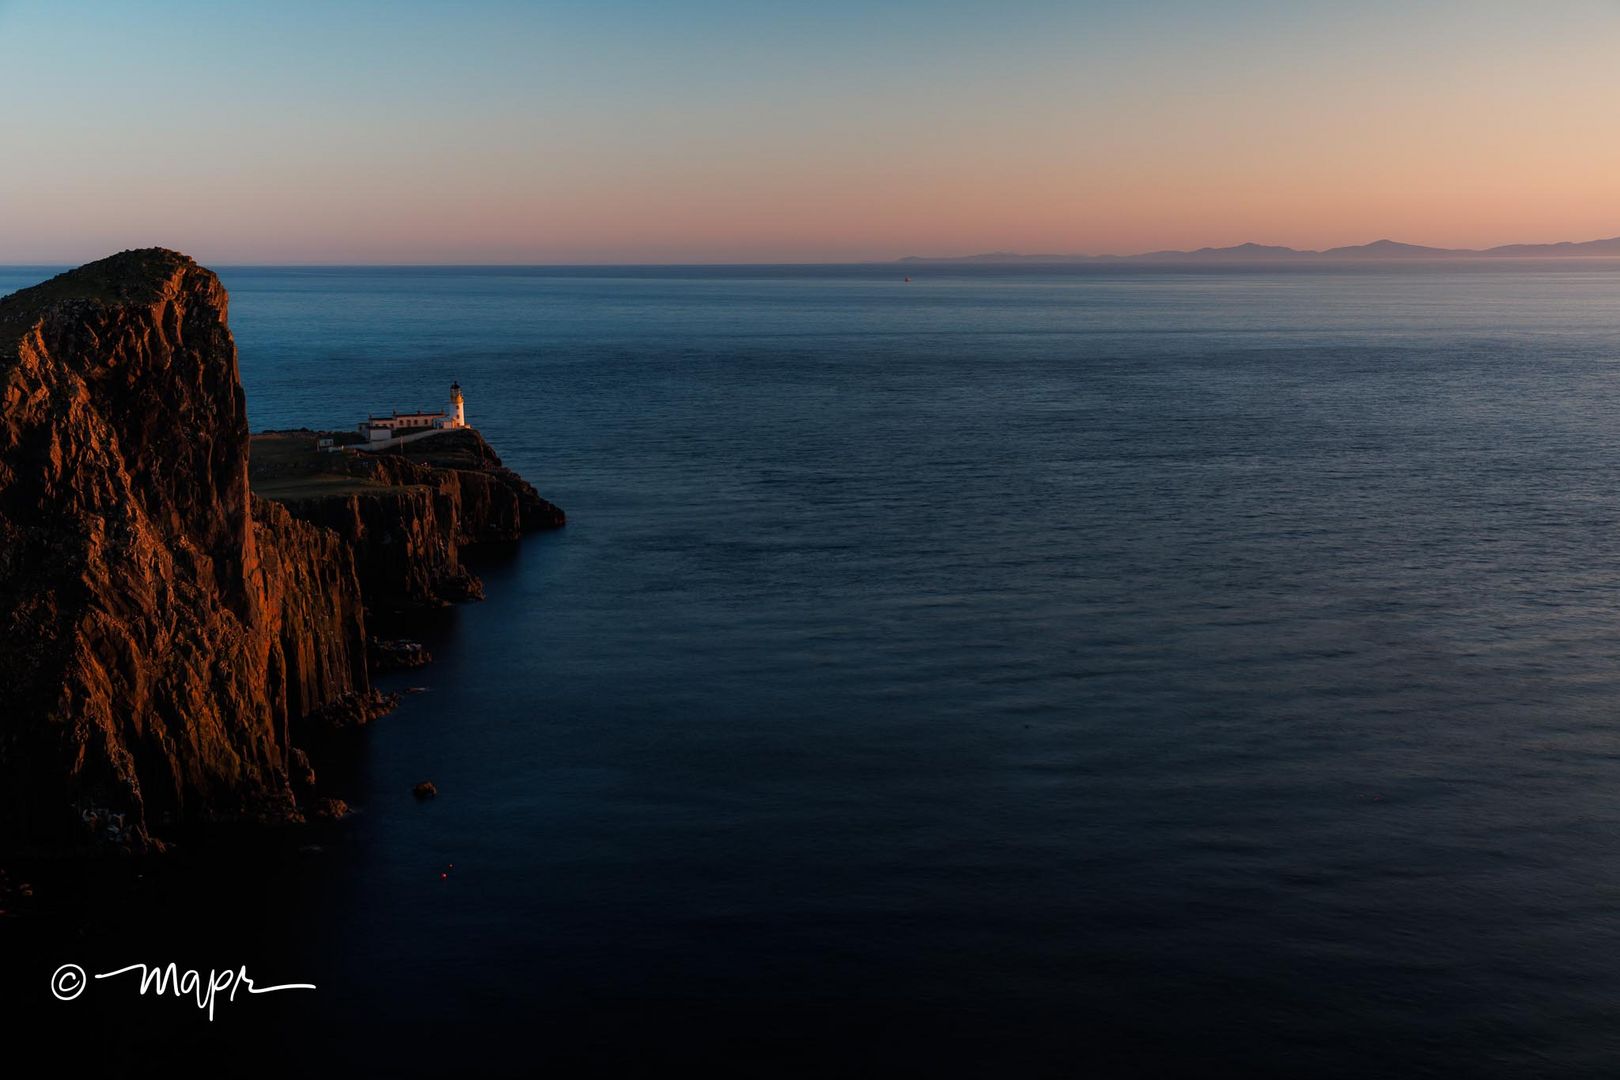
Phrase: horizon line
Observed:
(1393, 250)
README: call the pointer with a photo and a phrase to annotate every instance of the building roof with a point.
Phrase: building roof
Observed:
(397, 415)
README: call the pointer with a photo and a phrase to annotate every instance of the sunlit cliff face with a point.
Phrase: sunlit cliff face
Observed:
(622, 131)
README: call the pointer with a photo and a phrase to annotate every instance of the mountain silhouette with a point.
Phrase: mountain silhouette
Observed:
(1390, 250)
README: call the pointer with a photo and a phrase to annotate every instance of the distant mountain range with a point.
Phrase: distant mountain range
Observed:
(1377, 250)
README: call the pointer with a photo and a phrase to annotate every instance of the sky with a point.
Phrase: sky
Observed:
(690, 131)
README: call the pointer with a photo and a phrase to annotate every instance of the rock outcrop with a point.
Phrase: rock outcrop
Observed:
(162, 628)
(169, 634)
(407, 512)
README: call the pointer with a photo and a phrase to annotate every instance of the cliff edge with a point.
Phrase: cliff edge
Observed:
(162, 627)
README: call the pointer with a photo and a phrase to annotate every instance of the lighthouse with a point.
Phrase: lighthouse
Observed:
(458, 410)
(384, 431)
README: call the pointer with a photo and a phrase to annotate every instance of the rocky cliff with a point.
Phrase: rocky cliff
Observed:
(164, 628)
(161, 630)
(407, 512)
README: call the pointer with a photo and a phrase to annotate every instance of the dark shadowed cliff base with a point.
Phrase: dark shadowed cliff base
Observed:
(168, 633)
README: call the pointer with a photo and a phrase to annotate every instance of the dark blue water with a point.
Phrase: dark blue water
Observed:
(1013, 672)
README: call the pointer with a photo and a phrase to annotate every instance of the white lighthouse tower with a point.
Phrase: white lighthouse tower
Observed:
(458, 410)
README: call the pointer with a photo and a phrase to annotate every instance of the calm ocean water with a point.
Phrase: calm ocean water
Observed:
(1014, 672)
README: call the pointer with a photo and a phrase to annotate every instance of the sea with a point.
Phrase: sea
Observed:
(1014, 671)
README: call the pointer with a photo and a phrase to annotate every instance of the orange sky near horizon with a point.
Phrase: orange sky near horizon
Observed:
(623, 132)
